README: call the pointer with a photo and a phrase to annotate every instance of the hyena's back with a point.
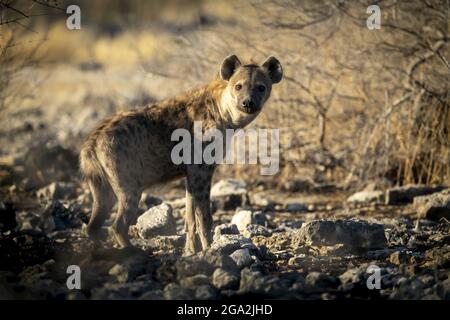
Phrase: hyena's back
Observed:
(131, 150)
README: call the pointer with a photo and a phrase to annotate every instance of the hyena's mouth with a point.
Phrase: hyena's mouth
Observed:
(249, 110)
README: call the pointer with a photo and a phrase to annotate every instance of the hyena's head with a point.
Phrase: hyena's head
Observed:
(248, 88)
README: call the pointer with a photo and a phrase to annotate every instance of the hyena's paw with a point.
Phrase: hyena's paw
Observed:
(187, 252)
(121, 237)
(95, 234)
(192, 247)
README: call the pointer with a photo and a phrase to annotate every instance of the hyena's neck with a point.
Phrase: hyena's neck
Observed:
(204, 104)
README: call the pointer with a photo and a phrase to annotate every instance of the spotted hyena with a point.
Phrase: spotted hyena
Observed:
(131, 151)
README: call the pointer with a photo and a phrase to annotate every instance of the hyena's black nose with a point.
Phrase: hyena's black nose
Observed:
(248, 103)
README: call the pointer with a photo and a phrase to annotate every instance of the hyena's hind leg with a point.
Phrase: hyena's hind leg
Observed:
(103, 201)
(127, 210)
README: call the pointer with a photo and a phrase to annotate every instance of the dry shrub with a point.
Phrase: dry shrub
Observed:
(411, 146)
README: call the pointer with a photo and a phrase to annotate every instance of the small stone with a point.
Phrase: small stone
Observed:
(444, 288)
(57, 191)
(254, 230)
(351, 277)
(191, 266)
(147, 201)
(244, 218)
(261, 200)
(169, 242)
(195, 281)
(242, 258)
(291, 225)
(156, 221)
(206, 292)
(224, 262)
(320, 281)
(255, 283)
(297, 207)
(120, 273)
(226, 228)
(75, 295)
(157, 243)
(293, 261)
(176, 292)
(381, 254)
(427, 279)
(129, 269)
(116, 291)
(366, 197)
(228, 194)
(406, 194)
(399, 257)
(152, 295)
(228, 243)
(297, 185)
(225, 280)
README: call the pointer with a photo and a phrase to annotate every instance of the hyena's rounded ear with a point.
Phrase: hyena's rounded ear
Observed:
(273, 69)
(229, 66)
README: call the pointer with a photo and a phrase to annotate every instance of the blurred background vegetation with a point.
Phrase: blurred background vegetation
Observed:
(357, 107)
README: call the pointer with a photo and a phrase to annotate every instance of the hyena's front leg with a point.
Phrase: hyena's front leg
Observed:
(192, 245)
(199, 185)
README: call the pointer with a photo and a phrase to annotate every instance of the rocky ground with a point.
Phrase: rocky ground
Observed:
(267, 244)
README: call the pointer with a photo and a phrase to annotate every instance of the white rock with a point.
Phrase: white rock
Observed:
(157, 220)
(229, 194)
(244, 218)
(366, 197)
(228, 187)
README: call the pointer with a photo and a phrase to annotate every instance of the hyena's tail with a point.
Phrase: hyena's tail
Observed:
(90, 166)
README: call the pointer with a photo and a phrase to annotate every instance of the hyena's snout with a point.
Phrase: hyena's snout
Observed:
(249, 105)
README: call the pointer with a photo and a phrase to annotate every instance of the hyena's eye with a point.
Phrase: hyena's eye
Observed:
(261, 88)
(238, 87)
